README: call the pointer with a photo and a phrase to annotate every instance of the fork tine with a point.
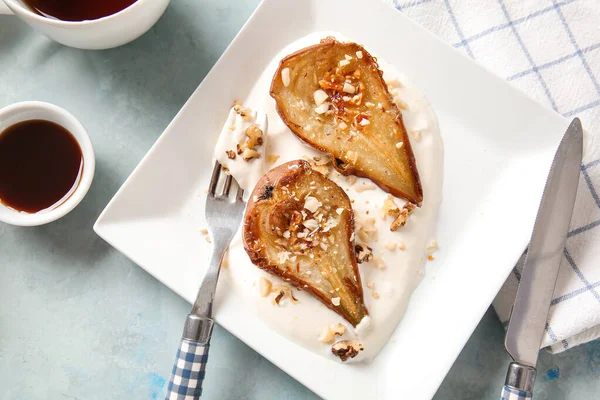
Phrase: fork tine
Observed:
(227, 186)
(240, 194)
(214, 180)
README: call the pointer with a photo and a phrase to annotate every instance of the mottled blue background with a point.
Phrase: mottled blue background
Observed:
(80, 321)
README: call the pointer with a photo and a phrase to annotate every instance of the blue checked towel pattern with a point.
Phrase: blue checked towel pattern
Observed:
(550, 49)
(188, 371)
(514, 394)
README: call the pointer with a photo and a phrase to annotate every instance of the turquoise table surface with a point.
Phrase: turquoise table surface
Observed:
(78, 320)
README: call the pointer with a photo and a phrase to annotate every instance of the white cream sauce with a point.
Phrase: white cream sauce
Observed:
(304, 321)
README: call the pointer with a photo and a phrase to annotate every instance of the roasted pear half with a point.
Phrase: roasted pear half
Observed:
(299, 226)
(332, 96)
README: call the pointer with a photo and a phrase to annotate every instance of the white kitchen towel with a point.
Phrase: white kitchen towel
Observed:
(550, 49)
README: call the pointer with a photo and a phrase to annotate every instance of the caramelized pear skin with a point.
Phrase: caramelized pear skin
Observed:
(298, 226)
(332, 96)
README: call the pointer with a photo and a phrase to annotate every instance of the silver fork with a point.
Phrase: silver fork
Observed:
(223, 217)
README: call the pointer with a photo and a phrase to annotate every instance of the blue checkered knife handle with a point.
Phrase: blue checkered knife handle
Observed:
(509, 393)
(188, 371)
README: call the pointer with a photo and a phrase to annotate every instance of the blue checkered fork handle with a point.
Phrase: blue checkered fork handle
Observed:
(509, 393)
(188, 371)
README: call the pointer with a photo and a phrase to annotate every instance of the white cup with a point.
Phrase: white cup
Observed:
(29, 110)
(103, 33)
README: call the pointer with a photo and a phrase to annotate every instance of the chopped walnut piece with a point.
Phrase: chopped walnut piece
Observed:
(282, 292)
(375, 294)
(319, 164)
(345, 349)
(244, 112)
(272, 158)
(330, 332)
(249, 154)
(327, 336)
(230, 154)
(390, 207)
(265, 286)
(403, 217)
(363, 253)
(255, 136)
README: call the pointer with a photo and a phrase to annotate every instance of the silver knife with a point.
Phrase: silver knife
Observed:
(540, 271)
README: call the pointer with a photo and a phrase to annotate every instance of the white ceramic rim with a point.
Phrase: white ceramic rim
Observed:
(70, 24)
(14, 217)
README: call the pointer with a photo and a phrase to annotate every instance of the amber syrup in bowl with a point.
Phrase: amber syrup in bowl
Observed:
(40, 165)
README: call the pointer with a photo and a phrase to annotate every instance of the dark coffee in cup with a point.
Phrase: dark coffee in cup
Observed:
(77, 10)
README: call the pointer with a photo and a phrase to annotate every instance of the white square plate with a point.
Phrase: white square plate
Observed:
(498, 148)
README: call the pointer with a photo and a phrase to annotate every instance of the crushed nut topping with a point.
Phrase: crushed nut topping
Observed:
(345, 349)
(430, 257)
(363, 253)
(249, 154)
(203, 231)
(348, 88)
(244, 112)
(401, 246)
(312, 204)
(255, 136)
(272, 158)
(320, 96)
(370, 284)
(265, 287)
(319, 164)
(390, 207)
(282, 292)
(375, 294)
(208, 239)
(403, 216)
(231, 154)
(285, 77)
(330, 332)
(323, 108)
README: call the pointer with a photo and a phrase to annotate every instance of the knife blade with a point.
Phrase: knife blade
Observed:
(540, 271)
